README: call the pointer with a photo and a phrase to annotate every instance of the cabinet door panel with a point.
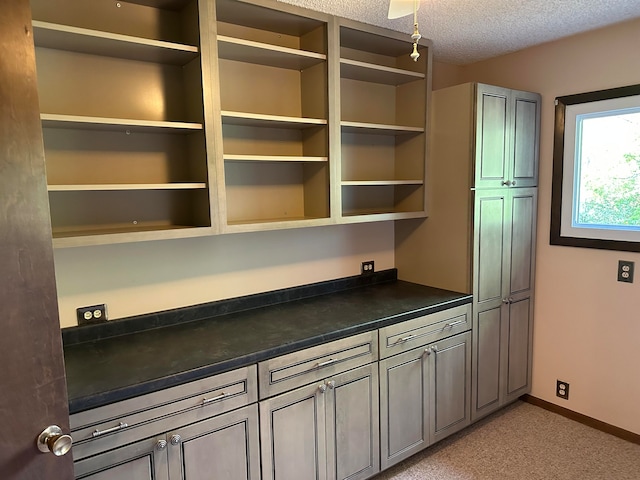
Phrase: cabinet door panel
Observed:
(138, 461)
(452, 375)
(404, 406)
(523, 220)
(225, 446)
(352, 425)
(492, 139)
(518, 374)
(486, 369)
(489, 247)
(526, 133)
(292, 430)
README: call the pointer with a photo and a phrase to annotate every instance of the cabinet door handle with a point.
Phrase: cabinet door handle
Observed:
(328, 362)
(453, 324)
(175, 439)
(434, 349)
(161, 445)
(506, 183)
(331, 384)
(322, 387)
(513, 183)
(120, 426)
(427, 351)
(213, 399)
(406, 339)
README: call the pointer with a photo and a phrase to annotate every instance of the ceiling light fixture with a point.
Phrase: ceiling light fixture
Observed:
(402, 8)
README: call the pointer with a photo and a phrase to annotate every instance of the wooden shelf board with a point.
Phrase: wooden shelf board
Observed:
(272, 158)
(127, 186)
(261, 224)
(366, 183)
(378, 215)
(272, 121)
(101, 235)
(162, 4)
(265, 54)
(370, 72)
(378, 129)
(51, 120)
(95, 42)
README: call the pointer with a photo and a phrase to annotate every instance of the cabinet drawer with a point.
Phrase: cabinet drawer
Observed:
(124, 422)
(404, 336)
(290, 371)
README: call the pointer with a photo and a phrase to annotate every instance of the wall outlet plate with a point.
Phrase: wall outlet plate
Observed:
(625, 271)
(92, 314)
(562, 389)
(367, 267)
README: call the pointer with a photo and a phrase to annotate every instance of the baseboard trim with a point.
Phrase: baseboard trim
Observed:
(584, 419)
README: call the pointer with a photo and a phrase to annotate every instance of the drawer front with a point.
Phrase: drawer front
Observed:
(296, 369)
(120, 423)
(404, 336)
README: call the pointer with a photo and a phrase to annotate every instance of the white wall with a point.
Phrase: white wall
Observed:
(587, 325)
(152, 276)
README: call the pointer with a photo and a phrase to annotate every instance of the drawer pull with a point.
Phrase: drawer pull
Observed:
(453, 324)
(216, 398)
(120, 426)
(328, 362)
(407, 338)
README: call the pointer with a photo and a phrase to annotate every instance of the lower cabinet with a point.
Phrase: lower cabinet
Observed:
(324, 431)
(225, 447)
(502, 355)
(424, 397)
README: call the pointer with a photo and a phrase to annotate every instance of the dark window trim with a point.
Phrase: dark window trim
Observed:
(558, 157)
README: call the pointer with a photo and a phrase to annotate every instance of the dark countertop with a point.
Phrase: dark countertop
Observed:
(112, 369)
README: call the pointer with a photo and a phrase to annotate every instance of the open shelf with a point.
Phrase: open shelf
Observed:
(269, 121)
(378, 129)
(370, 72)
(264, 54)
(83, 40)
(116, 187)
(51, 120)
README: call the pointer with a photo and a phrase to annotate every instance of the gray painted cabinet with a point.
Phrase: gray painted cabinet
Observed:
(504, 256)
(424, 397)
(326, 430)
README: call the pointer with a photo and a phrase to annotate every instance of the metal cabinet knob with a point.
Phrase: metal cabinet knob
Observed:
(322, 387)
(506, 183)
(331, 384)
(513, 183)
(434, 349)
(175, 439)
(161, 445)
(427, 351)
(53, 440)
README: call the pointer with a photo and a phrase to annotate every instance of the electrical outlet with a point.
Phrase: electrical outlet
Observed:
(367, 267)
(625, 271)
(562, 389)
(92, 314)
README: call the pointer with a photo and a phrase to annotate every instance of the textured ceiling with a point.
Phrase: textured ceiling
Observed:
(467, 31)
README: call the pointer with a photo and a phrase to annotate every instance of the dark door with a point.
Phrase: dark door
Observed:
(32, 380)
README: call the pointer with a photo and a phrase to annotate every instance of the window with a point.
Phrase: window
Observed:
(596, 170)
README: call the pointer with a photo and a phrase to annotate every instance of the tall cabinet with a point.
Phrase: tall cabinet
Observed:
(480, 233)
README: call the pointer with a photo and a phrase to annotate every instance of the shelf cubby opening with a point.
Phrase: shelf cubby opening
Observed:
(248, 140)
(263, 192)
(161, 20)
(79, 213)
(369, 200)
(280, 28)
(131, 89)
(94, 157)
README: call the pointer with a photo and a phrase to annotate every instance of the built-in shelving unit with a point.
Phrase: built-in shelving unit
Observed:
(383, 103)
(274, 169)
(123, 117)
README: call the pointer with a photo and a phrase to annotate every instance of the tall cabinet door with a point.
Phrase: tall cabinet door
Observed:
(493, 127)
(518, 331)
(492, 238)
(526, 139)
(292, 434)
(352, 416)
(226, 446)
(404, 405)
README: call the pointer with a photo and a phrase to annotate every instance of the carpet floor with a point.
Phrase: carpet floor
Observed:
(523, 442)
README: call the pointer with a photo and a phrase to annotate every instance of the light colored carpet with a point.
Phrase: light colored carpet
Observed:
(523, 442)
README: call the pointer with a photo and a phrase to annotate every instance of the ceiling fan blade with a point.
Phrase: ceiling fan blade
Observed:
(401, 8)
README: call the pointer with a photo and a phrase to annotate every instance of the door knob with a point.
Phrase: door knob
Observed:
(53, 440)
